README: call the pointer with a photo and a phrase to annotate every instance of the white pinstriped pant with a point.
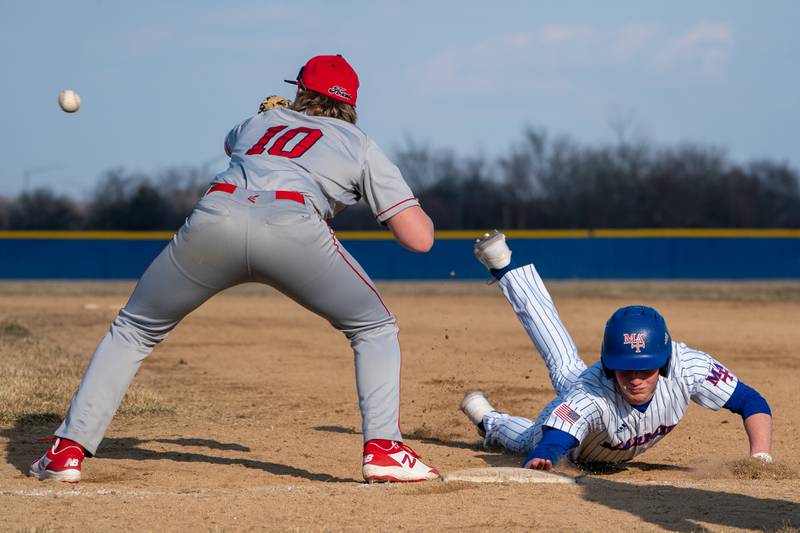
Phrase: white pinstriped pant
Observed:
(525, 291)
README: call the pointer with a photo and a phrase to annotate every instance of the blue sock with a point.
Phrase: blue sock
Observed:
(500, 272)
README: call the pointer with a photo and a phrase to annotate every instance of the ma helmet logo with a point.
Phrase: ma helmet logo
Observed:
(636, 340)
(340, 91)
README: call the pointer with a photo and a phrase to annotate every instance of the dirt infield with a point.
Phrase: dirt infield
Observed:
(249, 419)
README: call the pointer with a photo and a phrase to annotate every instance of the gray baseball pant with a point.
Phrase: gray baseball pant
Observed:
(232, 238)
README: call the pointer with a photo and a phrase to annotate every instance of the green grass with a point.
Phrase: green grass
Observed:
(38, 378)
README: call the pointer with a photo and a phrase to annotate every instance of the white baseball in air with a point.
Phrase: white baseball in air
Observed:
(69, 100)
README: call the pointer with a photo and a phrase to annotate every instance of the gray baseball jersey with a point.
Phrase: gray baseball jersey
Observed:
(330, 161)
(265, 221)
(588, 405)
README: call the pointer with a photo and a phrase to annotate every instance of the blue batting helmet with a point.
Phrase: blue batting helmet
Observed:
(636, 338)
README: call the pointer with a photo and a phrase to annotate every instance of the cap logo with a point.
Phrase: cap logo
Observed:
(340, 91)
(636, 340)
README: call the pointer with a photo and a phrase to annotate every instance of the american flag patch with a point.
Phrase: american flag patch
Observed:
(565, 413)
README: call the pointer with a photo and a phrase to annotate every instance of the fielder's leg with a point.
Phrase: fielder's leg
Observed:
(315, 270)
(199, 262)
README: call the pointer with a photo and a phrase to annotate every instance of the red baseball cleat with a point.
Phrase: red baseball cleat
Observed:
(61, 462)
(389, 460)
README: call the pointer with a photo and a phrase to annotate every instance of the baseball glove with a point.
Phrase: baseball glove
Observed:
(273, 102)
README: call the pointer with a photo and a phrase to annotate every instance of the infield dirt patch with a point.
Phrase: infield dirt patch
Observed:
(249, 420)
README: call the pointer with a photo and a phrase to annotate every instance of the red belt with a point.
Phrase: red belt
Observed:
(279, 195)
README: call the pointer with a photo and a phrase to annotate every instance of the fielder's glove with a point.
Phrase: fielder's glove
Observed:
(273, 102)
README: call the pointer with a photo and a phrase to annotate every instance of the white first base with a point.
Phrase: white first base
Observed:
(505, 474)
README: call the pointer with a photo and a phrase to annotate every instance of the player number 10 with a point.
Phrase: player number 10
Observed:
(278, 148)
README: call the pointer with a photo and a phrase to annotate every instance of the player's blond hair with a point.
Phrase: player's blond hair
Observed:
(317, 104)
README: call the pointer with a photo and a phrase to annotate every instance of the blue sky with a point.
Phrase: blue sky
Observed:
(163, 82)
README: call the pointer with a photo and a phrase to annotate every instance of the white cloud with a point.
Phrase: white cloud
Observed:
(705, 32)
(632, 40)
(264, 16)
(706, 46)
(548, 58)
(565, 34)
(503, 63)
(517, 40)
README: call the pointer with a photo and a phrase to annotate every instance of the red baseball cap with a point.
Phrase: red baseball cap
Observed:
(331, 76)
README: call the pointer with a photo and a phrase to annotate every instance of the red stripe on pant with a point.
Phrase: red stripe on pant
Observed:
(339, 251)
(400, 383)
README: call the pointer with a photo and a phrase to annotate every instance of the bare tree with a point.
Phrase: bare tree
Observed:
(541, 182)
(42, 209)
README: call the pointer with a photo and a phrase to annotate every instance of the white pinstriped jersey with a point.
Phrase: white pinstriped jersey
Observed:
(330, 161)
(588, 405)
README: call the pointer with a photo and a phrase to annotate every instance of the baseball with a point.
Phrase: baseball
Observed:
(69, 100)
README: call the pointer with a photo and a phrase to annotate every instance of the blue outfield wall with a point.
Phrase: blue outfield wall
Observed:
(606, 254)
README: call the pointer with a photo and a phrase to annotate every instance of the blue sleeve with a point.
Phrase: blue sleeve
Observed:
(746, 401)
(553, 446)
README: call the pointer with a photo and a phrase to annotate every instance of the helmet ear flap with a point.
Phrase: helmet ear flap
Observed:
(608, 372)
(664, 370)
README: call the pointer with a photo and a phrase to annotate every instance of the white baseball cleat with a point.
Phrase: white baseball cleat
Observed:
(475, 406)
(492, 251)
(762, 456)
(390, 460)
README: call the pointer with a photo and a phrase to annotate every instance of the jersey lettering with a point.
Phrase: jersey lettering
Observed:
(639, 440)
(719, 373)
(311, 136)
(258, 148)
(636, 340)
